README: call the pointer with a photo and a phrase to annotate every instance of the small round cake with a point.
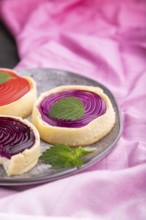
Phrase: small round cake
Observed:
(19, 145)
(18, 94)
(74, 115)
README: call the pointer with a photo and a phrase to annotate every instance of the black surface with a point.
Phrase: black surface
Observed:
(8, 50)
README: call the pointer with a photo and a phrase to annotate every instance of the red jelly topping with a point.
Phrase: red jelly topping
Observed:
(13, 89)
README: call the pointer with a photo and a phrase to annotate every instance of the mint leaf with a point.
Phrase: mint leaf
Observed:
(80, 152)
(4, 77)
(63, 156)
(69, 108)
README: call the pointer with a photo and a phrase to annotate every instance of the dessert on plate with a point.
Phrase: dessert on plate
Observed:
(74, 115)
(17, 94)
(19, 145)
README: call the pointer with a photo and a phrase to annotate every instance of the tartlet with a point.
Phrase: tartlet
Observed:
(18, 94)
(19, 145)
(98, 120)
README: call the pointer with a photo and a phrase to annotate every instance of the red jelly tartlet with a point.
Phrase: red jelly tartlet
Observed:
(17, 93)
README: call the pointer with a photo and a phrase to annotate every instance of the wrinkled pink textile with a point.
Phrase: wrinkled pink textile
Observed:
(104, 40)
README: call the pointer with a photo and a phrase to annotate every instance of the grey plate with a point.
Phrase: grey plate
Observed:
(47, 79)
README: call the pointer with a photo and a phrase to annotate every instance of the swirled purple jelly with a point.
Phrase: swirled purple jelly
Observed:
(15, 137)
(93, 104)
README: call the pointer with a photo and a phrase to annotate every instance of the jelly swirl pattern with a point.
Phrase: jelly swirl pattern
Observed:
(15, 137)
(94, 107)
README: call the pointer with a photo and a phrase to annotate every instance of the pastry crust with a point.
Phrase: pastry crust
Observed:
(83, 136)
(26, 160)
(23, 106)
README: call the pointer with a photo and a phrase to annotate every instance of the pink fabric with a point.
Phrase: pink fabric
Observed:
(105, 40)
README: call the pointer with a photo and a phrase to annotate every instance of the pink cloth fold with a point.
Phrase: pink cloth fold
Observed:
(104, 40)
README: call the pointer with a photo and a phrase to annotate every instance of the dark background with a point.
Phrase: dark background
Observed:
(8, 50)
